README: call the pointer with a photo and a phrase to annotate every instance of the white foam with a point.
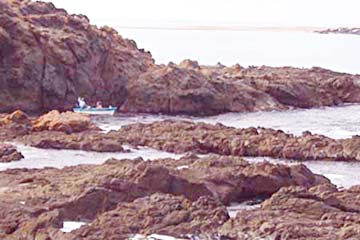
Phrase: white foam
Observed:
(69, 226)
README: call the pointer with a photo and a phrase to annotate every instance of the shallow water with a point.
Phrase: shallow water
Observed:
(40, 158)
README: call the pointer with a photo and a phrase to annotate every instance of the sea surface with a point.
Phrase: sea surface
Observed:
(338, 52)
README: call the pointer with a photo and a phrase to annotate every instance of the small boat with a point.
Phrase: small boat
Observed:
(96, 111)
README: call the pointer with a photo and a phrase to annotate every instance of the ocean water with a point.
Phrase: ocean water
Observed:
(335, 122)
(273, 48)
(41, 158)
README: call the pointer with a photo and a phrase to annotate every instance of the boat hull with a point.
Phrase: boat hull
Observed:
(96, 111)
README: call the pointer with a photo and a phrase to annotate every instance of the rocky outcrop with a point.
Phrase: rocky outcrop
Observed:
(67, 122)
(36, 202)
(161, 214)
(321, 212)
(355, 31)
(50, 57)
(14, 125)
(87, 141)
(203, 90)
(182, 137)
(8, 153)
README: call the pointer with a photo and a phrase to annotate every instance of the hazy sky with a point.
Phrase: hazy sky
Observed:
(317, 13)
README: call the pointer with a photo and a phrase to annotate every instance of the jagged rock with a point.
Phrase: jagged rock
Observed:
(36, 202)
(184, 136)
(321, 212)
(50, 57)
(158, 213)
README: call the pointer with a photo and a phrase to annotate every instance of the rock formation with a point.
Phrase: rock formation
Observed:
(36, 202)
(8, 153)
(183, 137)
(50, 57)
(321, 212)
(68, 122)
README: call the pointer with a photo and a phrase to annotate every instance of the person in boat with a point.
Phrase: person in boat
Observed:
(99, 105)
(81, 102)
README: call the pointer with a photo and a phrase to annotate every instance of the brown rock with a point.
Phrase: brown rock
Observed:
(158, 213)
(36, 202)
(183, 136)
(50, 57)
(17, 117)
(13, 125)
(321, 212)
(8, 153)
(86, 141)
(68, 122)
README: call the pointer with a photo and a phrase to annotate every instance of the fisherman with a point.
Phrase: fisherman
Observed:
(98, 105)
(81, 102)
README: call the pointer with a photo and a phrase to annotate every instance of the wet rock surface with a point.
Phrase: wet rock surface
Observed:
(36, 202)
(8, 153)
(320, 212)
(50, 57)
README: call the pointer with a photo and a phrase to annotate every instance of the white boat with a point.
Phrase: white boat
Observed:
(96, 111)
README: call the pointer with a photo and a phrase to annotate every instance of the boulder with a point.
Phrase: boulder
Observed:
(8, 153)
(68, 122)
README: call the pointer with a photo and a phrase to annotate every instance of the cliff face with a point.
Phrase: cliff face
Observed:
(48, 58)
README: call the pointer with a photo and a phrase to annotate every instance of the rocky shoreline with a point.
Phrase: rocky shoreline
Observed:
(182, 198)
(182, 137)
(50, 57)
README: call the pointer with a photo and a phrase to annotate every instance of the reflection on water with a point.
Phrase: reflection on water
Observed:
(40, 158)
